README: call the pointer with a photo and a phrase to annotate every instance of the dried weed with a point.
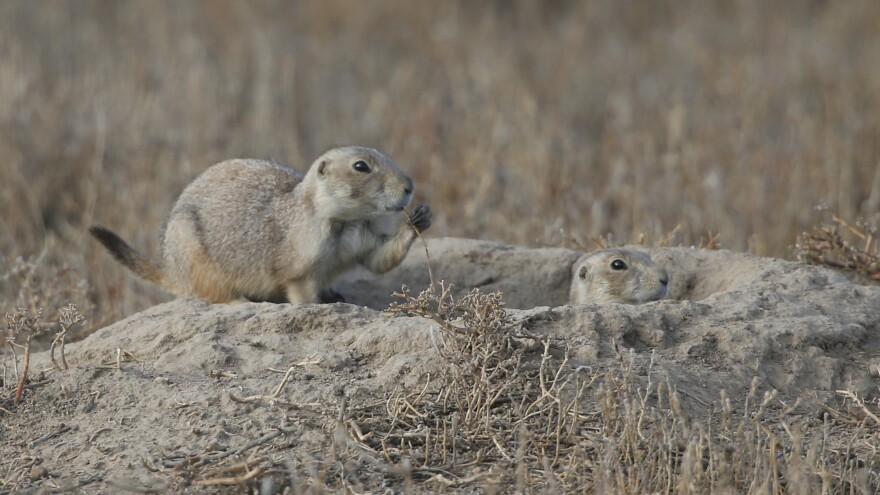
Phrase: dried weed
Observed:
(841, 244)
(23, 326)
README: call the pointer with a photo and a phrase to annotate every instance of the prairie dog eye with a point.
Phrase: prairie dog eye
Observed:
(618, 264)
(583, 272)
(361, 166)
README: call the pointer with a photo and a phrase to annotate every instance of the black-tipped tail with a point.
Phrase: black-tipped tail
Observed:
(127, 255)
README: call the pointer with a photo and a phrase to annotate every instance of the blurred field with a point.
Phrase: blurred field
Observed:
(536, 123)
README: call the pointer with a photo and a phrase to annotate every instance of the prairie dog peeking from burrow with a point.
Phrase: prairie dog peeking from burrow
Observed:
(619, 276)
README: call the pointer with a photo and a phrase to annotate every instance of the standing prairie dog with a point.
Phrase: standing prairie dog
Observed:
(253, 230)
(617, 276)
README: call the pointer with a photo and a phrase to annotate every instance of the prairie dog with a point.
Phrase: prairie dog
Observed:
(617, 276)
(252, 230)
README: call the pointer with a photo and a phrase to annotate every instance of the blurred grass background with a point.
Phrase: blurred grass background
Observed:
(526, 122)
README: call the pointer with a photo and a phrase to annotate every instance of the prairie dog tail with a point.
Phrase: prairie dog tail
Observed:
(128, 256)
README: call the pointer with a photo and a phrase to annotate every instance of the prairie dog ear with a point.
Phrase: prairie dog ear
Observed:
(322, 167)
(582, 273)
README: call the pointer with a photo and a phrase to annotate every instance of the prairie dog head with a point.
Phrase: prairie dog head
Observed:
(353, 183)
(617, 276)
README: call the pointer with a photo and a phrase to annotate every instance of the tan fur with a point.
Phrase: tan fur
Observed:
(596, 281)
(249, 229)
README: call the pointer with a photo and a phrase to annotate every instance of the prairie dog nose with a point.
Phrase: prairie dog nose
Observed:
(664, 277)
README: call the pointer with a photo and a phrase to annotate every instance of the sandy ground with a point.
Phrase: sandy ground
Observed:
(190, 395)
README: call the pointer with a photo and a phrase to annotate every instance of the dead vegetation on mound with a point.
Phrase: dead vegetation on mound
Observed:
(841, 244)
(23, 326)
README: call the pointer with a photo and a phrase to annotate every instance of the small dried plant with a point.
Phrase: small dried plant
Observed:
(22, 326)
(505, 398)
(841, 244)
(69, 317)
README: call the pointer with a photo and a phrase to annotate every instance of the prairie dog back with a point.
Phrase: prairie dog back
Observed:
(253, 230)
(224, 231)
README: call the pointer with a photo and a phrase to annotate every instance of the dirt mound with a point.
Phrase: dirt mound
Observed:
(205, 376)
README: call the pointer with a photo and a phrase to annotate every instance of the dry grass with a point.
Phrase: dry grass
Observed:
(523, 121)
